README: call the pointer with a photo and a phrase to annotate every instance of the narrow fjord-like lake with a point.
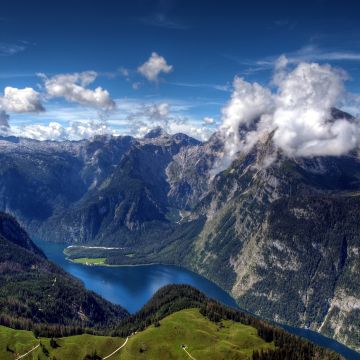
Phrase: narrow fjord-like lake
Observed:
(132, 286)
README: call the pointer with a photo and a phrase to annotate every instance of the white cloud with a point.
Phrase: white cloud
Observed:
(155, 65)
(248, 102)
(194, 130)
(303, 104)
(132, 117)
(73, 88)
(25, 100)
(299, 113)
(15, 100)
(158, 111)
(219, 87)
(314, 53)
(53, 131)
(7, 49)
(208, 120)
(149, 116)
(310, 53)
(56, 131)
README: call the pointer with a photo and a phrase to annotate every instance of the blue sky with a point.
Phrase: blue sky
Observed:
(206, 44)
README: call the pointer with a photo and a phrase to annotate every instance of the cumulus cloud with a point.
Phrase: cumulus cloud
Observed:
(303, 105)
(74, 88)
(149, 116)
(154, 66)
(208, 120)
(248, 102)
(298, 111)
(55, 131)
(15, 100)
(25, 100)
(198, 132)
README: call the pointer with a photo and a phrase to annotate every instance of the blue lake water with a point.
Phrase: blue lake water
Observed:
(132, 286)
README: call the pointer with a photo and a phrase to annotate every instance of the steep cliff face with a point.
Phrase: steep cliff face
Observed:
(314, 242)
(190, 172)
(283, 239)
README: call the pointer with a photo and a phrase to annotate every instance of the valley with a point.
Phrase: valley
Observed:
(117, 283)
(131, 286)
(180, 180)
(181, 310)
(155, 200)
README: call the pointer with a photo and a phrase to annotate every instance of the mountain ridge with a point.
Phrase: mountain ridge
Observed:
(159, 199)
(36, 294)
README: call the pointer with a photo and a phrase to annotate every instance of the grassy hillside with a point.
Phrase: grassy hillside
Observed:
(176, 315)
(204, 340)
(14, 342)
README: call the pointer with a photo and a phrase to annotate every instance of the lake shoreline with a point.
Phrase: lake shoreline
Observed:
(132, 285)
(123, 265)
(302, 332)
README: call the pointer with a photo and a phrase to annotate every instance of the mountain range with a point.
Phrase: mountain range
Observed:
(280, 234)
(66, 320)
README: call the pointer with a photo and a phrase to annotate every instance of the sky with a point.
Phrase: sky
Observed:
(72, 69)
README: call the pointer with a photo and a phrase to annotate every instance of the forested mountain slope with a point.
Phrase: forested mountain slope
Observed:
(36, 294)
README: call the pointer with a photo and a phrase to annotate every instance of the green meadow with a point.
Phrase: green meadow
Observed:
(90, 261)
(204, 340)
